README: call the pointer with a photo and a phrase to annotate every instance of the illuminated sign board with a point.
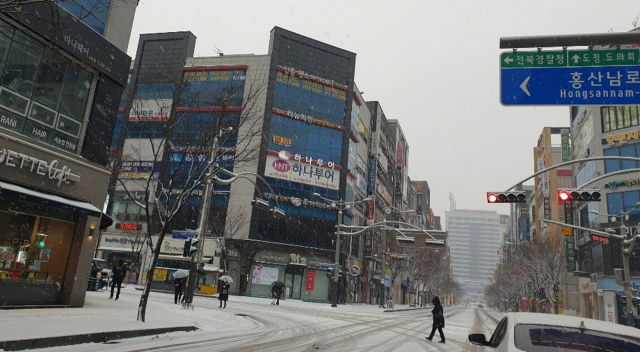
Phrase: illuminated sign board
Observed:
(128, 226)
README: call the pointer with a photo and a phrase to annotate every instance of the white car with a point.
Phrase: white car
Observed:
(547, 332)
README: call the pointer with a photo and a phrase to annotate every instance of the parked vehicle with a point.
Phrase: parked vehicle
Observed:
(100, 274)
(544, 332)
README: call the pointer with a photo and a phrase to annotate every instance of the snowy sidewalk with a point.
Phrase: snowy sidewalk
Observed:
(101, 315)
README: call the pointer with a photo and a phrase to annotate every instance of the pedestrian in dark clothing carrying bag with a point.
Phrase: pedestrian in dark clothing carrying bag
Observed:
(178, 284)
(223, 293)
(119, 272)
(438, 319)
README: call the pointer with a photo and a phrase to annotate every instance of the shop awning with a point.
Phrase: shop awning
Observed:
(115, 249)
(48, 199)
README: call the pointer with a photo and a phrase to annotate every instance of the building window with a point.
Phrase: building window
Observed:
(92, 12)
(623, 202)
(43, 94)
(619, 117)
(33, 250)
(631, 150)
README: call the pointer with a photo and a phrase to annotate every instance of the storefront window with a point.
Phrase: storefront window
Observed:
(618, 117)
(33, 249)
(43, 94)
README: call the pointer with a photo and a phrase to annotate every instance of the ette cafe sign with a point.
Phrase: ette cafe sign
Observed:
(570, 77)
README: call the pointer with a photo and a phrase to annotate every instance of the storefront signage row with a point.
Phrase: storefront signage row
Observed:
(621, 138)
(302, 173)
(304, 75)
(40, 167)
(122, 240)
(307, 118)
(624, 182)
(299, 202)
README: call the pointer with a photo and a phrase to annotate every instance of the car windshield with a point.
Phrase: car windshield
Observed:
(101, 265)
(554, 338)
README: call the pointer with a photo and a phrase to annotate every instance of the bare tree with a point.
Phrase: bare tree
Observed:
(224, 226)
(184, 139)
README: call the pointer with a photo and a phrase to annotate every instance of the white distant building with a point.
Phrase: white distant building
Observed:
(474, 237)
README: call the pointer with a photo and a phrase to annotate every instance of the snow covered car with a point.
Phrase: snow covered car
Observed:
(546, 332)
(100, 274)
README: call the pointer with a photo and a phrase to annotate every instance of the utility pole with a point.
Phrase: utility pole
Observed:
(205, 206)
(334, 291)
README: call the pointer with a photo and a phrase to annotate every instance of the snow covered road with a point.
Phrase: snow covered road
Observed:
(252, 324)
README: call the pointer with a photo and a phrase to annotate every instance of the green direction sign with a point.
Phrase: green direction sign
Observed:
(570, 58)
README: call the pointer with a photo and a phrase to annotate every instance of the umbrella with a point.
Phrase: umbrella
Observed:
(180, 274)
(225, 278)
(278, 283)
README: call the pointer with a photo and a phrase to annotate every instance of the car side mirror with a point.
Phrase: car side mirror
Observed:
(478, 339)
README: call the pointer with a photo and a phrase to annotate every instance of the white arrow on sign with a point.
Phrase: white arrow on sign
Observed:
(575, 58)
(523, 86)
(508, 60)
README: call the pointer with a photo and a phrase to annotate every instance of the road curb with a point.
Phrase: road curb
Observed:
(402, 310)
(98, 337)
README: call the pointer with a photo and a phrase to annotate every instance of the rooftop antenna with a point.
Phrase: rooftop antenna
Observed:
(452, 202)
(218, 51)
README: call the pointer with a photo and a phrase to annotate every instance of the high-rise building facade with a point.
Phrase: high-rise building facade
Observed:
(474, 237)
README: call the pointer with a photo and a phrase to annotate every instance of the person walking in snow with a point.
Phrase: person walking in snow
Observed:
(438, 319)
(276, 293)
(223, 293)
(178, 285)
(119, 273)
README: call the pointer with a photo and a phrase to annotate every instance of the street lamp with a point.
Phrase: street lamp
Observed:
(340, 204)
(626, 253)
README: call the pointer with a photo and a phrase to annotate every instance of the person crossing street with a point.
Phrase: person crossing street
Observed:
(438, 319)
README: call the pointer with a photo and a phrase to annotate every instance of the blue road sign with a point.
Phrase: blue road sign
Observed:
(607, 85)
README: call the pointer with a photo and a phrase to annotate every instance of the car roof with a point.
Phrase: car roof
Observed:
(564, 320)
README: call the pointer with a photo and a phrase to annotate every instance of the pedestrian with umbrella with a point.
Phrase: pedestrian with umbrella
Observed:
(179, 280)
(276, 292)
(223, 289)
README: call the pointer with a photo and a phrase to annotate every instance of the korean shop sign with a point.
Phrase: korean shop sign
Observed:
(620, 138)
(46, 168)
(576, 77)
(302, 172)
(621, 183)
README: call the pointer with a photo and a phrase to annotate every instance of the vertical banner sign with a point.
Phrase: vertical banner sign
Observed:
(399, 153)
(547, 208)
(540, 167)
(371, 208)
(311, 278)
(568, 219)
(566, 149)
(373, 164)
(374, 144)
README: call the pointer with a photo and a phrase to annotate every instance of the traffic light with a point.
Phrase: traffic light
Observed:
(506, 197)
(329, 271)
(187, 248)
(583, 195)
(194, 247)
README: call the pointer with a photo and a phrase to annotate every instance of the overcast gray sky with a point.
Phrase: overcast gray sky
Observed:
(433, 65)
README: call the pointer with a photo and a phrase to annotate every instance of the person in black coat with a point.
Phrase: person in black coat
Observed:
(119, 273)
(223, 293)
(276, 293)
(178, 285)
(438, 319)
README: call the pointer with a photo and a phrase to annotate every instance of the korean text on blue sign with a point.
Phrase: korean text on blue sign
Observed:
(611, 85)
(373, 163)
(183, 235)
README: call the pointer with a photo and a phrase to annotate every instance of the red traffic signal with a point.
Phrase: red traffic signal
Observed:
(506, 197)
(492, 198)
(563, 196)
(583, 195)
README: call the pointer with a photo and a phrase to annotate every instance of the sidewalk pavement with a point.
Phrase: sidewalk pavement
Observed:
(103, 319)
